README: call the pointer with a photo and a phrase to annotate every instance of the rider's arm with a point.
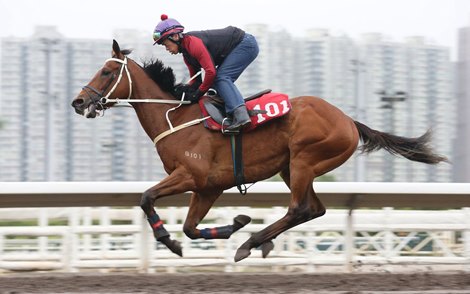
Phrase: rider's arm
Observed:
(192, 71)
(198, 50)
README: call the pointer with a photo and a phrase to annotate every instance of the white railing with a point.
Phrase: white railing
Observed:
(75, 239)
(262, 194)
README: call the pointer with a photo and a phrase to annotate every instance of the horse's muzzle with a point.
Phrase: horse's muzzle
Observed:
(79, 105)
(83, 106)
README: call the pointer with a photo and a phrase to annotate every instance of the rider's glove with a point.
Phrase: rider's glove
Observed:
(190, 92)
(192, 95)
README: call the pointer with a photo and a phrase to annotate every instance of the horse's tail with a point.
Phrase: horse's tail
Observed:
(416, 149)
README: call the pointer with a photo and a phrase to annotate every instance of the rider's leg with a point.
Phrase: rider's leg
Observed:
(228, 72)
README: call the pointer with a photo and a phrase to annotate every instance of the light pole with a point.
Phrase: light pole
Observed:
(389, 100)
(358, 68)
(49, 163)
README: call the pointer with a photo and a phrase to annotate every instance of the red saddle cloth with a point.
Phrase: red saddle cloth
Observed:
(266, 107)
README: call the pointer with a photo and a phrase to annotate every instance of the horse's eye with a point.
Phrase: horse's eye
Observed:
(105, 72)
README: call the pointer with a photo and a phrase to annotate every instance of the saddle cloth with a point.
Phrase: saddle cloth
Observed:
(262, 108)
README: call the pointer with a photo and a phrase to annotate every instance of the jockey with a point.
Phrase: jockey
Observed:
(231, 50)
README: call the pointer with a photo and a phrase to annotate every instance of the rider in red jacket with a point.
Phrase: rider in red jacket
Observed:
(223, 54)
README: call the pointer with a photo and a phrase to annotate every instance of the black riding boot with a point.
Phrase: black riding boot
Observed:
(240, 118)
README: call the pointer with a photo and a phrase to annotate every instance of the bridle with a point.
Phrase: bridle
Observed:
(98, 100)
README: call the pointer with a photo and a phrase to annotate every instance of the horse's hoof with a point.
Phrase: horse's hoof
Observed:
(266, 248)
(240, 221)
(175, 247)
(241, 254)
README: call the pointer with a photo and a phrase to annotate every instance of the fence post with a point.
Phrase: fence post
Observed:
(349, 235)
(388, 237)
(143, 248)
(228, 244)
(87, 221)
(43, 240)
(466, 238)
(311, 250)
(2, 242)
(104, 238)
(171, 221)
(349, 241)
(71, 241)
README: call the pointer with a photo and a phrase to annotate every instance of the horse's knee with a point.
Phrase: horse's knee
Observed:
(190, 232)
(146, 203)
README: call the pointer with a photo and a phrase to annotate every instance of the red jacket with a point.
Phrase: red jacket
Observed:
(208, 49)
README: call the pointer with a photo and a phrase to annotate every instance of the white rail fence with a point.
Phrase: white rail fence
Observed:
(77, 239)
(87, 233)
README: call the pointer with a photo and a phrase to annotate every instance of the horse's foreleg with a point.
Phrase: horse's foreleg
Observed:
(177, 182)
(198, 208)
(161, 234)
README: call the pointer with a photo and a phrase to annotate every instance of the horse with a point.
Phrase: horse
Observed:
(313, 138)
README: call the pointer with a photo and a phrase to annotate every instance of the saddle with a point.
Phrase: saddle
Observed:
(262, 107)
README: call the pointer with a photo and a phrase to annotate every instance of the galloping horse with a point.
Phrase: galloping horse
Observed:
(312, 139)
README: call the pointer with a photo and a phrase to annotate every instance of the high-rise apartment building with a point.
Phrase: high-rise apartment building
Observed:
(42, 139)
(462, 88)
(408, 90)
(399, 87)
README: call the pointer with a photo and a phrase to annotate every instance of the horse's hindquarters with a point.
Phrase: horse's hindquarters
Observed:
(322, 137)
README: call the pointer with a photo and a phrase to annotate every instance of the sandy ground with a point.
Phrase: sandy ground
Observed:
(448, 282)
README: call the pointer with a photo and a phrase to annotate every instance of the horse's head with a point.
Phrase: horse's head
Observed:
(108, 83)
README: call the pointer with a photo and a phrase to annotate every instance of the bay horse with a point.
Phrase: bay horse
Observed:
(312, 139)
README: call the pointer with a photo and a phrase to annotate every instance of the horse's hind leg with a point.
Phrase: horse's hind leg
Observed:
(267, 246)
(285, 175)
(198, 208)
(304, 206)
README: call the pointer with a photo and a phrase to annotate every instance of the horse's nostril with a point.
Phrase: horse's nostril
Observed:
(77, 102)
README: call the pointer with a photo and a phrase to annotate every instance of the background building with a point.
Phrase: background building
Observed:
(42, 138)
(407, 89)
(400, 87)
(462, 86)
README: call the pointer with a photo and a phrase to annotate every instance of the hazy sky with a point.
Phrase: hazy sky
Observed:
(437, 20)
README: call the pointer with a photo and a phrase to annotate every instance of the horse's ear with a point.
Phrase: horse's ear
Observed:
(116, 50)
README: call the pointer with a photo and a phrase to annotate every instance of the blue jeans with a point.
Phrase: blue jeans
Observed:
(231, 68)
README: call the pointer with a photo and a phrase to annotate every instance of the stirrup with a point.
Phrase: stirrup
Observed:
(228, 132)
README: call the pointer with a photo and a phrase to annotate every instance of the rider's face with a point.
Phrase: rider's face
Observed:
(171, 46)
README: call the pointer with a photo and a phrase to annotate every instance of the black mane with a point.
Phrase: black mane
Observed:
(160, 74)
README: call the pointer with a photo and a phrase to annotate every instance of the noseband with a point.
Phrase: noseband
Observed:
(97, 97)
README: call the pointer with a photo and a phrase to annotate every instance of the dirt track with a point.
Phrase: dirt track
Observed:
(232, 283)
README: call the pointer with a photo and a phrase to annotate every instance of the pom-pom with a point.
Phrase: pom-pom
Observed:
(164, 17)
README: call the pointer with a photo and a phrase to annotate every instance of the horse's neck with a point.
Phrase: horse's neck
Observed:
(151, 115)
